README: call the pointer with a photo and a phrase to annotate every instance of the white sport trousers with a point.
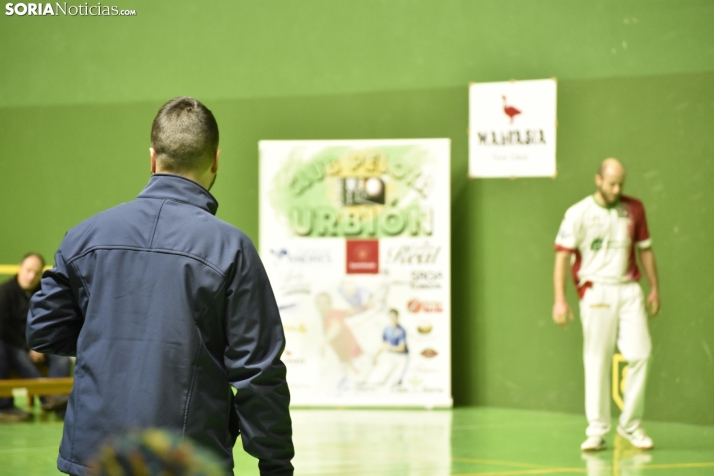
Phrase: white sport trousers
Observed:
(614, 314)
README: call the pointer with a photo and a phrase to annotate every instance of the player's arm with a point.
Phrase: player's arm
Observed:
(561, 310)
(255, 342)
(643, 243)
(54, 320)
(650, 266)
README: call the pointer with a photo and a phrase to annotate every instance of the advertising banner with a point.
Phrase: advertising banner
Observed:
(355, 238)
(512, 129)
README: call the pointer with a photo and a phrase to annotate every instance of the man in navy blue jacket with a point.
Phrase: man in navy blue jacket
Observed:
(166, 307)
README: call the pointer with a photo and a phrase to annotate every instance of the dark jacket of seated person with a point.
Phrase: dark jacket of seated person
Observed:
(14, 304)
(15, 354)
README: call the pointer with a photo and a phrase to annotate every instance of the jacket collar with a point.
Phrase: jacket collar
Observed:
(180, 189)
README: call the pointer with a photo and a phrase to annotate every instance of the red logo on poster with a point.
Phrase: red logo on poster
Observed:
(415, 305)
(510, 111)
(362, 256)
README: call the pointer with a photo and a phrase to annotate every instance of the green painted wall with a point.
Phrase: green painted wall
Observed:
(242, 49)
(77, 96)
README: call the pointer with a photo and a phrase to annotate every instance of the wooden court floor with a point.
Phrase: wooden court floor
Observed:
(466, 441)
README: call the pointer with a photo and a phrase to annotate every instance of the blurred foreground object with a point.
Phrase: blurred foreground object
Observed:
(152, 453)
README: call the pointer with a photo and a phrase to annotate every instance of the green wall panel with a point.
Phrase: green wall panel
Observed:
(237, 49)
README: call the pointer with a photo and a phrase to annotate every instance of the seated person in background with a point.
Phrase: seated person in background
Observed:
(15, 355)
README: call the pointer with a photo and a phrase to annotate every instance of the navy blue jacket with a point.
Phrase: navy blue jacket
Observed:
(165, 307)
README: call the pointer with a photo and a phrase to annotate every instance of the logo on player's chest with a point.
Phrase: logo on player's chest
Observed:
(608, 243)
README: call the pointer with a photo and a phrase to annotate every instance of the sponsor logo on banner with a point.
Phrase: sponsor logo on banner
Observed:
(429, 353)
(425, 327)
(294, 283)
(426, 279)
(527, 137)
(499, 138)
(510, 110)
(362, 256)
(305, 256)
(415, 306)
(295, 328)
(362, 191)
(416, 254)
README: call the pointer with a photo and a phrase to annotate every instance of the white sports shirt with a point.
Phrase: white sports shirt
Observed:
(603, 241)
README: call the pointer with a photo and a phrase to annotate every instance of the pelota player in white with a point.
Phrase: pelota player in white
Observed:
(600, 236)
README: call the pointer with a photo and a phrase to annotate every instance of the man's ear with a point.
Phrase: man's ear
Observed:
(152, 154)
(214, 164)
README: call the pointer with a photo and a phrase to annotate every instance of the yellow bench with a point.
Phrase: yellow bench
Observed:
(37, 386)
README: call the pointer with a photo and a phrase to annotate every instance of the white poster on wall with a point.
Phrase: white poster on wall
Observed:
(355, 238)
(512, 129)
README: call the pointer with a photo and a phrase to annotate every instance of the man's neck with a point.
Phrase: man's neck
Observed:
(187, 175)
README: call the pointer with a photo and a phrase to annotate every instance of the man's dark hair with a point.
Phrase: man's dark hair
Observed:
(394, 311)
(36, 255)
(184, 135)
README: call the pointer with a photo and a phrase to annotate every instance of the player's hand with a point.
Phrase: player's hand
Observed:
(36, 356)
(652, 304)
(562, 314)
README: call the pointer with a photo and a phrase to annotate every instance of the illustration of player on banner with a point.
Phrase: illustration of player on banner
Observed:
(394, 353)
(338, 334)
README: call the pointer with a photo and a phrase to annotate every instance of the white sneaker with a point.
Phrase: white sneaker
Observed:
(593, 443)
(638, 438)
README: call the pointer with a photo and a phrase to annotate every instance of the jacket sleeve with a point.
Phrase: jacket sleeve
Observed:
(54, 320)
(255, 342)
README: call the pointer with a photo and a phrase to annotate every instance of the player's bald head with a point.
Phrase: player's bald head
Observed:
(610, 179)
(611, 166)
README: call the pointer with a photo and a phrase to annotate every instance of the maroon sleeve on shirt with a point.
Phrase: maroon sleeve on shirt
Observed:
(639, 221)
(558, 247)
